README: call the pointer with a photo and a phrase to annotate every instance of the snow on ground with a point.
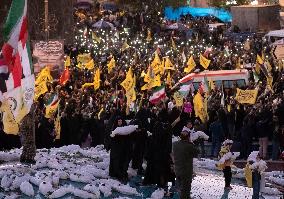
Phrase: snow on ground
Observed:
(70, 171)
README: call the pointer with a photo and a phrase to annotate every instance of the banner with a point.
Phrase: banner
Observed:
(246, 96)
(48, 53)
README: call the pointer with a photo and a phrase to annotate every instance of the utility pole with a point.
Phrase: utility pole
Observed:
(46, 21)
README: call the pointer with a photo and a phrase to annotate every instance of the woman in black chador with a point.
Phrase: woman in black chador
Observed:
(158, 158)
(120, 148)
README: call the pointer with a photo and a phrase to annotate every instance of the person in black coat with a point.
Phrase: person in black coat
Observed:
(120, 148)
(159, 161)
(139, 139)
(45, 133)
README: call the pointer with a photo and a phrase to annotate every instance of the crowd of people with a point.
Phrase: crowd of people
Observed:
(88, 116)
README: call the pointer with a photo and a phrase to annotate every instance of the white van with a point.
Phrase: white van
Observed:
(225, 77)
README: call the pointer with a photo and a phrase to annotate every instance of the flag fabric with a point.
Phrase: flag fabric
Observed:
(238, 64)
(199, 107)
(90, 65)
(169, 80)
(168, 64)
(257, 68)
(150, 75)
(97, 79)
(269, 81)
(204, 62)
(246, 96)
(190, 65)
(51, 106)
(259, 60)
(185, 88)
(44, 76)
(124, 46)
(57, 125)
(156, 81)
(111, 65)
(173, 44)
(127, 84)
(9, 123)
(84, 58)
(156, 63)
(247, 45)
(178, 98)
(16, 64)
(158, 94)
(149, 36)
(211, 85)
(205, 84)
(183, 57)
(67, 62)
(64, 77)
(96, 38)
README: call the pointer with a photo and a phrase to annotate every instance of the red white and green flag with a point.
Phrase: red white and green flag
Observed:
(158, 94)
(16, 69)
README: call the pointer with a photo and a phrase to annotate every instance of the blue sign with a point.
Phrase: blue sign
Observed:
(174, 14)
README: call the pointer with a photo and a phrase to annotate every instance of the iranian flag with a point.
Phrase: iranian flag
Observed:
(158, 94)
(16, 69)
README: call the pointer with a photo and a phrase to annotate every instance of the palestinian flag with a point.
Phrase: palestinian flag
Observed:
(16, 69)
(158, 94)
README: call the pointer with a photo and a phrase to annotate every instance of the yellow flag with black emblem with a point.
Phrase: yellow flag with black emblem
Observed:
(204, 62)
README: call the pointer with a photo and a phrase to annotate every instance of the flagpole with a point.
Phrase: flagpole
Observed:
(46, 25)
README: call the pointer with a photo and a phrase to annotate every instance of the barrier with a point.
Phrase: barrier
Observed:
(174, 14)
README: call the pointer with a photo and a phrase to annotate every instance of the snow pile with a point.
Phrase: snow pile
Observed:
(259, 166)
(125, 130)
(229, 156)
(195, 135)
(158, 194)
(13, 155)
(27, 189)
(277, 180)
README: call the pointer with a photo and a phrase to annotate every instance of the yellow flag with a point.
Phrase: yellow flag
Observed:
(40, 89)
(248, 175)
(204, 62)
(169, 80)
(96, 38)
(238, 65)
(199, 107)
(259, 60)
(168, 64)
(150, 75)
(22, 112)
(269, 81)
(50, 110)
(149, 37)
(143, 73)
(84, 58)
(162, 66)
(173, 44)
(87, 85)
(156, 63)
(9, 122)
(178, 98)
(111, 65)
(57, 126)
(211, 84)
(97, 79)
(67, 61)
(257, 68)
(124, 46)
(127, 84)
(268, 66)
(44, 76)
(90, 65)
(79, 65)
(246, 96)
(156, 81)
(190, 65)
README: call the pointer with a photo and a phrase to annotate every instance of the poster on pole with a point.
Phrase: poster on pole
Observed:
(48, 53)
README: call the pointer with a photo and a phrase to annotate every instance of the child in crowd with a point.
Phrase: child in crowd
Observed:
(254, 169)
(225, 162)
